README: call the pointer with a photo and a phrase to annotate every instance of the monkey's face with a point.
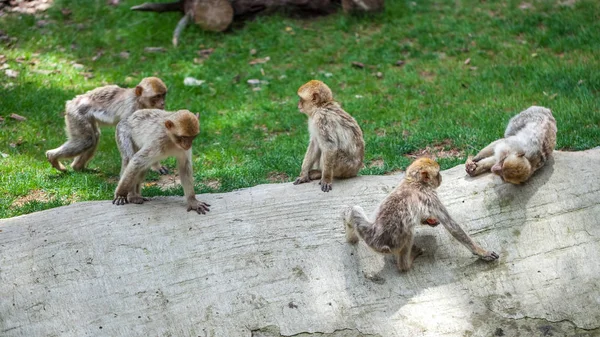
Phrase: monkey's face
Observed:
(153, 102)
(515, 169)
(184, 142)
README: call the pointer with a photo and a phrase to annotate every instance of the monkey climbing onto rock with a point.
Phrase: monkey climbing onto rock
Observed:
(410, 204)
(528, 142)
(336, 148)
(103, 106)
(147, 137)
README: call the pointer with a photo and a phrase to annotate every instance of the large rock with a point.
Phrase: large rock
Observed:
(271, 261)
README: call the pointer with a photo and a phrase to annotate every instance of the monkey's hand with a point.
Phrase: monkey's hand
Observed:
(302, 179)
(471, 167)
(489, 256)
(430, 222)
(198, 206)
(120, 200)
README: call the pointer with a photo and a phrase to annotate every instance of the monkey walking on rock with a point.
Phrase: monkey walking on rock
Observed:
(410, 204)
(103, 106)
(151, 135)
(528, 142)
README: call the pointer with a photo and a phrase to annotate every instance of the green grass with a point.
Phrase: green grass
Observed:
(546, 55)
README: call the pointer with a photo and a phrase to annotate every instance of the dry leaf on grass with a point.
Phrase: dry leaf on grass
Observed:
(260, 60)
(17, 117)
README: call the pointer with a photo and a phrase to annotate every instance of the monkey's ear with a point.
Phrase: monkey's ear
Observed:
(521, 154)
(497, 168)
(169, 124)
(315, 97)
(138, 91)
(425, 176)
(197, 115)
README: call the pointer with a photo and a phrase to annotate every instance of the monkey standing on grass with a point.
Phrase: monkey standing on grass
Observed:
(413, 202)
(103, 106)
(336, 148)
(528, 142)
(151, 135)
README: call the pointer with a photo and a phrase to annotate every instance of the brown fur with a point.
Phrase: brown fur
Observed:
(412, 203)
(102, 106)
(147, 137)
(336, 147)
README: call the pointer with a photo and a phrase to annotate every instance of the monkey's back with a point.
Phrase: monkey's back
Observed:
(397, 217)
(144, 125)
(537, 127)
(339, 129)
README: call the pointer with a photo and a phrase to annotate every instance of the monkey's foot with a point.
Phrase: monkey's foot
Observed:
(301, 180)
(137, 199)
(325, 187)
(416, 251)
(489, 256)
(198, 206)
(54, 162)
(471, 167)
(160, 169)
(120, 200)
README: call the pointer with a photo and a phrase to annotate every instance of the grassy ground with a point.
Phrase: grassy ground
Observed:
(520, 54)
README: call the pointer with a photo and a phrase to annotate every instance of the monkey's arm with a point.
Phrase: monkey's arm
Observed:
(459, 234)
(310, 158)
(328, 157)
(184, 164)
(486, 151)
(138, 165)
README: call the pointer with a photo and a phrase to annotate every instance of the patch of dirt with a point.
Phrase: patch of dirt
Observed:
(376, 163)
(25, 6)
(394, 172)
(166, 182)
(35, 195)
(277, 177)
(436, 151)
(428, 76)
(213, 183)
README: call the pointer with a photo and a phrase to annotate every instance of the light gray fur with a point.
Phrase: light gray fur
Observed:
(410, 204)
(531, 133)
(104, 106)
(143, 141)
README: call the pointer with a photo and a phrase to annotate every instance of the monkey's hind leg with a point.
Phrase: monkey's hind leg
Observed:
(407, 254)
(82, 137)
(476, 168)
(81, 161)
(351, 236)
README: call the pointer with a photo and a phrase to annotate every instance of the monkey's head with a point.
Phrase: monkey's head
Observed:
(151, 93)
(515, 168)
(312, 95)
(182, 127)
(425, 171)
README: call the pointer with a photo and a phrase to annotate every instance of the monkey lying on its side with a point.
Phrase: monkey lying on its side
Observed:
(528, 142)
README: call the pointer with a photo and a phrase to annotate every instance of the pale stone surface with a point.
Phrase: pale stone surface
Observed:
(271, 260)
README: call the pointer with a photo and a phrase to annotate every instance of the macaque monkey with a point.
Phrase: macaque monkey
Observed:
(336, 148)
(103, 106)
(413, 202)
(528, 142)
(147, 137)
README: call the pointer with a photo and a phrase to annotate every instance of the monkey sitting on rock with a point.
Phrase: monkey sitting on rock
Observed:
(336, 148)
(151, 135)
(410, 204)
(528, 142)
